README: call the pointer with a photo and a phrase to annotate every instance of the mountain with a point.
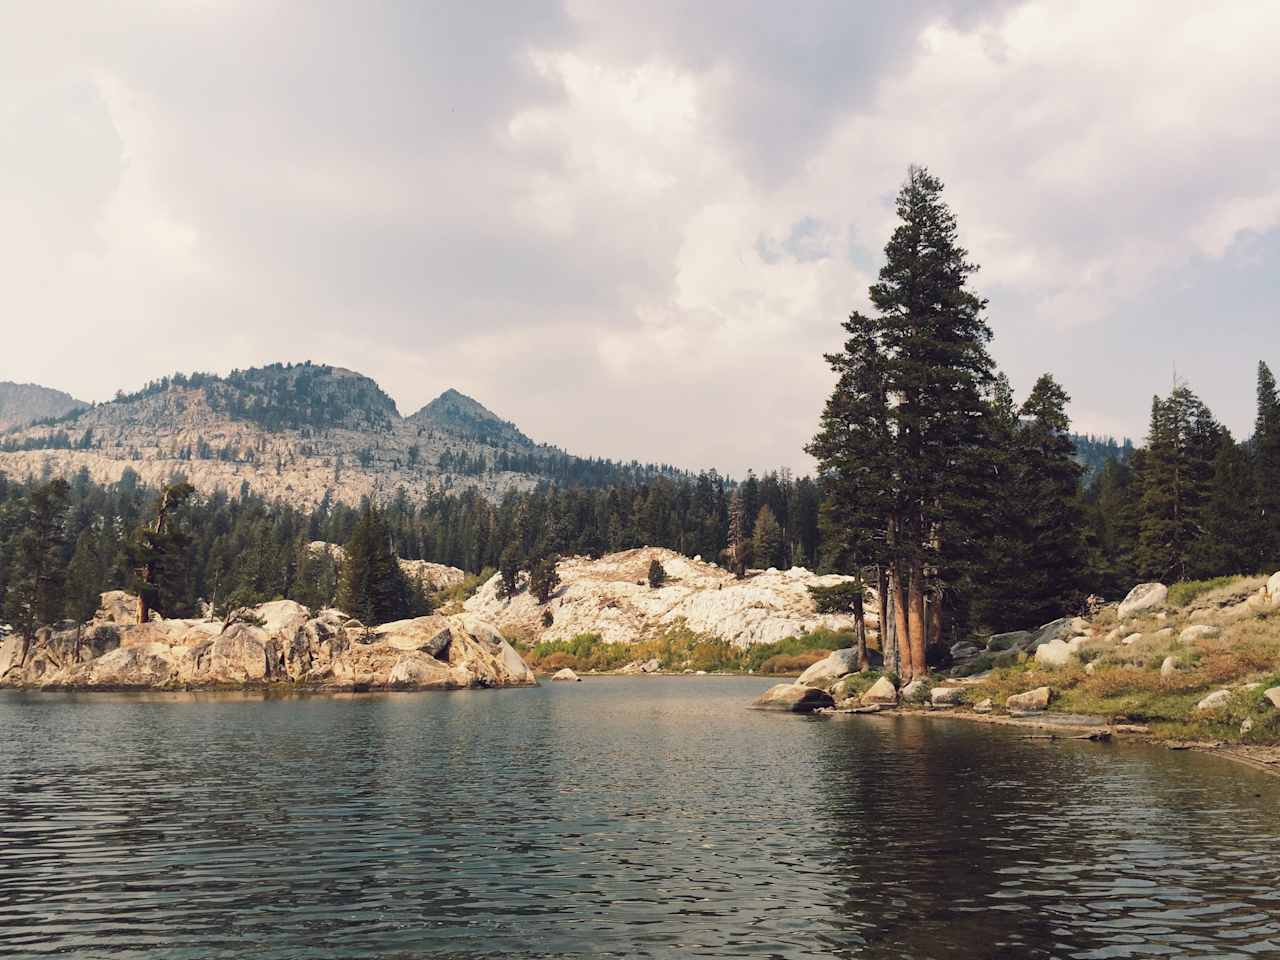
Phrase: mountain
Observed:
(458, 414)
(302, 433)
(26, 403)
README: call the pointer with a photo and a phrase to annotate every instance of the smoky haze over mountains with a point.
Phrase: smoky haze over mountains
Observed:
(635, 233)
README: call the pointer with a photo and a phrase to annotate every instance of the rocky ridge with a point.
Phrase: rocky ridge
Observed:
(296, 433)
(279, 643)
(611, 597)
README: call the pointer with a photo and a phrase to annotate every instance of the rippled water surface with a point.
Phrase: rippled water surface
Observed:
(627, 817)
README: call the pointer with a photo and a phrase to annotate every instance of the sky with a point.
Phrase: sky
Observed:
(634, 229)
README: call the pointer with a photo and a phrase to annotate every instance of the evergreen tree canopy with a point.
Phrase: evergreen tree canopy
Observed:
(372, 587)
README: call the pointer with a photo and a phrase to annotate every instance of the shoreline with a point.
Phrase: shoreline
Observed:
(1265, 759)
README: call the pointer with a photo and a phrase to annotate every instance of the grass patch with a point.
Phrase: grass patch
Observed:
(1184, 591)
(678, 648)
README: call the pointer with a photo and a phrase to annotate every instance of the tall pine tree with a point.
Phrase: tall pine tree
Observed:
(930, 357)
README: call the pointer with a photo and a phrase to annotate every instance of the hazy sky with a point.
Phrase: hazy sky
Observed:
(634, 234)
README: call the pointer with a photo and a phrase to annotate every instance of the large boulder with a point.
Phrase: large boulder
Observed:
(1009, 641)
(1272, 696)
(430, 635)
(418, 669)
(277, 615)
(830, 668)
(1053, 630)
(793, 698)
(1037, 699)
(946, 696)
(882, 692)
(1055, 653)
(566, 675)
(1199, 631)
(117, 606)
(1143, 597)
(13, 652)
(917, 691)
(238, 655)
(1214, 701)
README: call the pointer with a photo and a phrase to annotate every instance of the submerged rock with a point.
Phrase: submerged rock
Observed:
(793, 698)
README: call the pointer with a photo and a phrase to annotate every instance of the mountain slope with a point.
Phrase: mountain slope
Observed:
(302, 433)
(25, 403)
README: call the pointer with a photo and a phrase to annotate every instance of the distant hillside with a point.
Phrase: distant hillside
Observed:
(304, 433)
(1093, 452)
(25, 403)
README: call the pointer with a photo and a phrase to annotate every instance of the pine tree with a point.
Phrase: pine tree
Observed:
(657, 573)
(1225, 545)
(1176, 476)
(84, 578)
(158, 555)
(738, 553)
(1266, 442)
(920, 368)
(543, 577)
(1054, 575)
(767, 542)
(36, 593)
(509, 570)
(372, 587)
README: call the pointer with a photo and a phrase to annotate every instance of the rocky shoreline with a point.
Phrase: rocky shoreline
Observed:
(274, 645)
(1201, 671)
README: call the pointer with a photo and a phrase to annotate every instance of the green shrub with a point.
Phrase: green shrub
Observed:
(1184, 591)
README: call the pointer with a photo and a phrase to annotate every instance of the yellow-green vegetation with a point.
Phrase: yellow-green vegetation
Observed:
(679, 648)
(450, 599)
(1184, 591)
(1125, 682)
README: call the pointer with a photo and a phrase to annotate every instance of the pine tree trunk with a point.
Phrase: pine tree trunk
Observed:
(860, 630)
(903, 645)
(935, 619)
(887, 641)
(915, 619)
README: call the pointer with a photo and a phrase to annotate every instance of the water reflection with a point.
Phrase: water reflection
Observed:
(650, 817)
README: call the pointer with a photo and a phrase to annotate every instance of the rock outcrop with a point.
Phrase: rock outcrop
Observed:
(611, 597)
(566, 675)
(279, 643)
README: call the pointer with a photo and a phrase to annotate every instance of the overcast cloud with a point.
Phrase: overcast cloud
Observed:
(634, 233)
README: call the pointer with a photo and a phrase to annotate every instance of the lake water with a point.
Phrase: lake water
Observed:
(615, 817)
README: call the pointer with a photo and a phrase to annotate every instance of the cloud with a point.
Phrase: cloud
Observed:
(634, 235)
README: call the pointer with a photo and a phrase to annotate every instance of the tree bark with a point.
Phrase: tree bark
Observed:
(887, 639)
(860, 629)
(935, 619)
(904, 649)
(915, 619)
